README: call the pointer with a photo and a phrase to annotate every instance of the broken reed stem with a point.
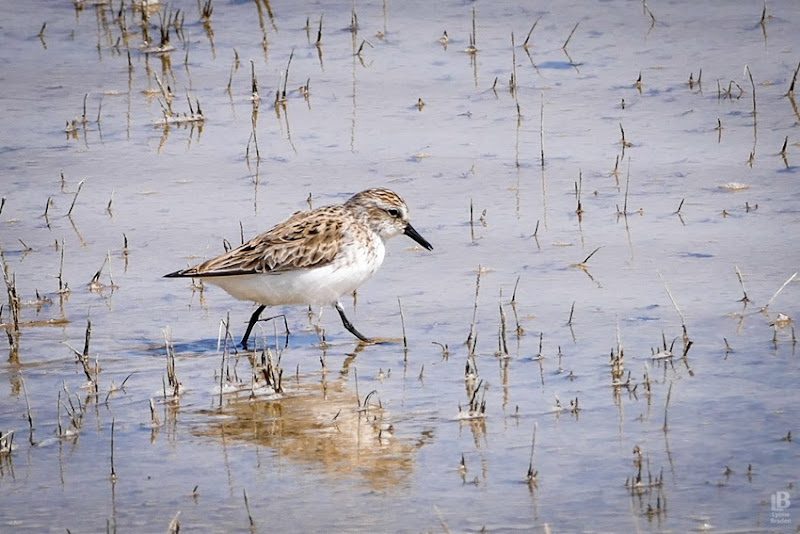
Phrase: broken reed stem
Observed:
(570, 35)
(752, 83)
(513, 303)
(571, 313)
(525, 44)
(647, 9)
(403, 325)
(172, 378)
(84, 357)
(675, 304)
(531, 477)
(63, 287)
(75, 198)
(473, 38)
(471, 336)
(587, 258)
(741, 283)
(790, 91)
(227, 323)
(471, 221)
(778, 291)
(27, 407)
(666, 407)
(113, 471)
(13, 299)
(174, 525)
(86, 339)
(253, 84)
(46, 209)
(95, 281)
(578, 188)
(503, 340)
(286, 76)
(319, 32)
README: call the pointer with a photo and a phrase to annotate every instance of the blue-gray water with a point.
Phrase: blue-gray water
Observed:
(469, 165)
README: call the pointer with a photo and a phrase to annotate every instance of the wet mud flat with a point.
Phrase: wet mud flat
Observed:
(602, 339)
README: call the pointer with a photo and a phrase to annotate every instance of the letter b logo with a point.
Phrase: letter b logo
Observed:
(780, 501)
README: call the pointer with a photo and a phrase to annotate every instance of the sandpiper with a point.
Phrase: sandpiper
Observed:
(313, 257)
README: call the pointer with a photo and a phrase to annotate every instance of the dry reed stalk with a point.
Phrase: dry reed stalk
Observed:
(403, 326)
(319, 33)
(741, 283)
(75, 198)
(27, 409)
(501, 338)
(172, 378)
(472, 48)
(174, 525)
(14, 304)
(571, 313)
(790, 91)
(678, 211)
(564, 46)
(518, 330)
(677, 309)
(113, 470)
(763, 308)
(530, 477)
(753, 85)
(472, 337)
(528, 38)
(471, 221)
(84, 360)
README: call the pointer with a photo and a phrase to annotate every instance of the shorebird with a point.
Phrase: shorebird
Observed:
(313, 258)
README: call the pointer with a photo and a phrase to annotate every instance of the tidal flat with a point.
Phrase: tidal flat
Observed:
(602, 339)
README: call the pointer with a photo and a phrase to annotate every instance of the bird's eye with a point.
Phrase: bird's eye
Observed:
(394, 212)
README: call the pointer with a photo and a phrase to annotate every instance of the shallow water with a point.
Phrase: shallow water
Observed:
(369, 438)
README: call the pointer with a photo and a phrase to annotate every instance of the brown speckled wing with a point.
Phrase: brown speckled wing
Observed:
(306, 239)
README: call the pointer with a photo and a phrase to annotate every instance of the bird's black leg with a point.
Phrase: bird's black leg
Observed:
(347, 324)
(251, 324)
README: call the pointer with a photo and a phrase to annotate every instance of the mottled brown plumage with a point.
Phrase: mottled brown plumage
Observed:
(305, 240)
(313, 257)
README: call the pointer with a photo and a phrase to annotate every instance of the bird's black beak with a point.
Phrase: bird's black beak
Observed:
(413, 234)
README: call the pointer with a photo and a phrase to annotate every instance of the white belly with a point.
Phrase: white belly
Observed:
(316, 286)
